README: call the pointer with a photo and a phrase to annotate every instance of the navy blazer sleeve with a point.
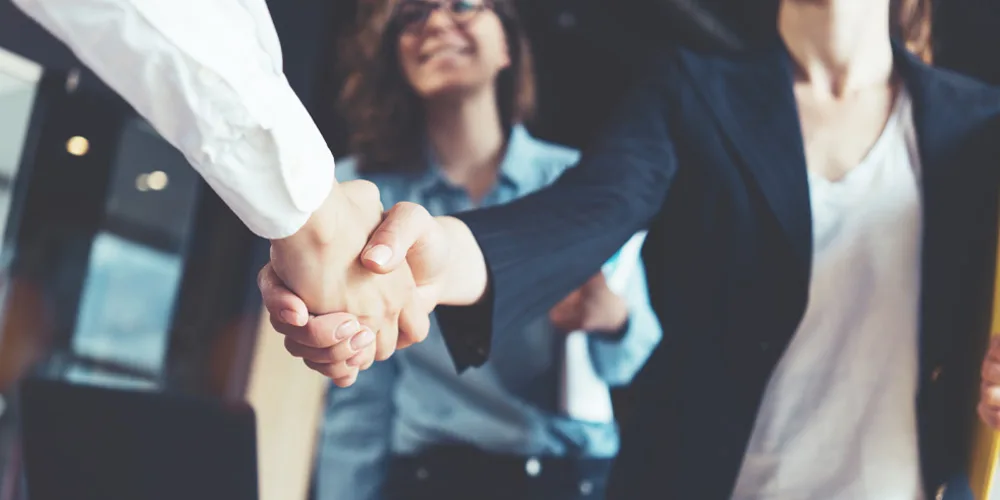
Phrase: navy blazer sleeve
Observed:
(542, 246)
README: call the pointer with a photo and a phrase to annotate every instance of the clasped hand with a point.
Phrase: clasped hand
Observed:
(340, 312)
(359, 284)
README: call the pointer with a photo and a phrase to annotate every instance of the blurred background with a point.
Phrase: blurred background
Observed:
(119, 268)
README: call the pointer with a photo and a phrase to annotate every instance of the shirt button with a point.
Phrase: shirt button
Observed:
(533, 467)
(586, 487)
(423, 474)
(936, 374)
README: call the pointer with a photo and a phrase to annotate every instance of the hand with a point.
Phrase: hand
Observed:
(447, 268)
(592, 308)
(989, 394)
(320, 265)
(335, 345)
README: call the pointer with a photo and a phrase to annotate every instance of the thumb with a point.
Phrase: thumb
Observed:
(405, 227)
(279, 301)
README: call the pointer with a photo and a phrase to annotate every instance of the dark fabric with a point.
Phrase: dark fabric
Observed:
(461, 473)
(728, 256)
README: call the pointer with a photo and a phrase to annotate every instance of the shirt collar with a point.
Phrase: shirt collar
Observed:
(514, 168)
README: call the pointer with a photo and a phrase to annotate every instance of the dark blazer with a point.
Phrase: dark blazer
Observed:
(707, 154)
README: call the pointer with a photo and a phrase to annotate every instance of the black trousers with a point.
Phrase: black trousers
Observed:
(461, 473)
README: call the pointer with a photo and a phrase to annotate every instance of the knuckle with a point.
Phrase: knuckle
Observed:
(363, 191)
(292, 347)
(345, 381)
(420, 335)
(368, 188)
(275, 323)
(410, 213)
(384, 353)
(333, 354)
(317, 335)
(261, 278)
(408, 208)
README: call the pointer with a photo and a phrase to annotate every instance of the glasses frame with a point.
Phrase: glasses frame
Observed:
(404, 26)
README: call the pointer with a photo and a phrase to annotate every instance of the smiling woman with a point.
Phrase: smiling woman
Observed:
(436, 102)
(395, 69)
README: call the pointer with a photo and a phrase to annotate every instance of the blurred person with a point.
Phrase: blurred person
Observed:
(436, 110)
(822, 215)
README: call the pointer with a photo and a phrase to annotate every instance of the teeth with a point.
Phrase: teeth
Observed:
(445, 51)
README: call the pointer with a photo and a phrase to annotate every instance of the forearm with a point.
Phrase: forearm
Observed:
(467, 279)
(539, 248)
(235, 119)
(318, 232)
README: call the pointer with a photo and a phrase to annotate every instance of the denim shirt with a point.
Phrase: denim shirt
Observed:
(415, 399)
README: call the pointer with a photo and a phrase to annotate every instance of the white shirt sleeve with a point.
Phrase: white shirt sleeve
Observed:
(207, 74)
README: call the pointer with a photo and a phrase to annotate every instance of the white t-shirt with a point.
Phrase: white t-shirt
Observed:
(838, 419)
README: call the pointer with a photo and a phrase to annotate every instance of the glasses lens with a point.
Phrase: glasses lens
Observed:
(465, 8)
(414, 13)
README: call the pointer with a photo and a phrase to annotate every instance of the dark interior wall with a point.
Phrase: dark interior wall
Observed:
(23, 36)
(587, 51)
(302, 26)
(967, 37)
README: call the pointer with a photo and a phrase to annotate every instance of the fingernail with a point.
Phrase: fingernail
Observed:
(379, 254)
(347, 329)
(362, 340)
(291, 317)
(345, 382)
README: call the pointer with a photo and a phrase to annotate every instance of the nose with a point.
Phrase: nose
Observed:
(439, 20)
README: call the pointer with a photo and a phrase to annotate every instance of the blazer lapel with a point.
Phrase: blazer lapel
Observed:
(949, 113)
(947, 110)
(752, 98)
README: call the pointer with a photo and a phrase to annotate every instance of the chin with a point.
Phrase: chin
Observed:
(448, 90)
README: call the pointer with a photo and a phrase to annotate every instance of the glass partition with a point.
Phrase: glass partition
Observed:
(18, 85)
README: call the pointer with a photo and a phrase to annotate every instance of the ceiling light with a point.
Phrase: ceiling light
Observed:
(77, 145)
(157, 180)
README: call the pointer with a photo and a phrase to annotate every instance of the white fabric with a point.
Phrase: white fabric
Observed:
(207, 74)
(584, 394)
(838, 419)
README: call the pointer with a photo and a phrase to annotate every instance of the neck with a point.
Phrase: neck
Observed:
(839, 46)
(467, 137)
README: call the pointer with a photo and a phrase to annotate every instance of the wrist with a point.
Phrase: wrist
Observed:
(466, 278)
(616, 318)
(615, 335)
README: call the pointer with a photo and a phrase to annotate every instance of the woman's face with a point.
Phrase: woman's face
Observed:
(451, 47)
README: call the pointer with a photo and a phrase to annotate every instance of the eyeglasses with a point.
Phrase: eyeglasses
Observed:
(413, 14)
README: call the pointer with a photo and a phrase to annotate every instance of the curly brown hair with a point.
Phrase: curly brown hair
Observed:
(384, 114)
(911, 24)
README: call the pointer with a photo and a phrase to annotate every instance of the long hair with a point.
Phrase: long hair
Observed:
(911, 23)
(754, 23)
(385, 115)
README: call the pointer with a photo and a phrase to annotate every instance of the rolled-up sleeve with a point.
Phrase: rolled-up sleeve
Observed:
(208, 77)
(618, 360)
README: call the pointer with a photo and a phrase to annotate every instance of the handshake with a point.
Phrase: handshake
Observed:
(355, 284)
